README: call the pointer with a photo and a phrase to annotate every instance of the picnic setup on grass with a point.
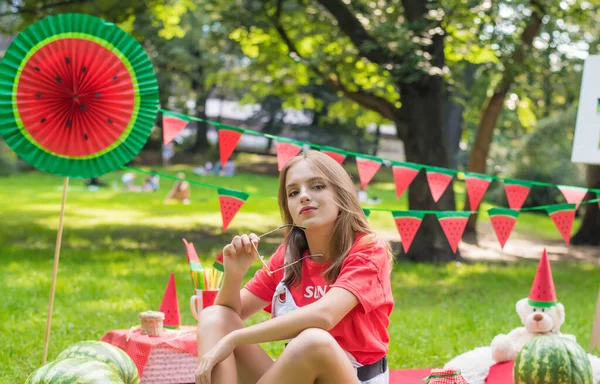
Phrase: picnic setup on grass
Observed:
(79, 98)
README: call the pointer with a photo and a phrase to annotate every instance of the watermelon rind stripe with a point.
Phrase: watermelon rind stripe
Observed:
(496, 212)
(233, 193)
(176, 115)
(471, 175)
(544, 304)
(416, 167)
(332, 149)
(448, 172)
(453, 214)
(518, 182)
(560, 207)
(408, 214)
(367, 157)
(234, 129)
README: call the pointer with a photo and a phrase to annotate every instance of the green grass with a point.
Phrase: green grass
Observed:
(119, 248)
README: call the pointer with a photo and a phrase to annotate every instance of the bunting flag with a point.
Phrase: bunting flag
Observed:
(438, 180)
(286, 151)
(366, 211)
(196, 268)
(403, 176)
(334, 154)
(516, 192)
(408, 223)
(503, 220)
(367, 168)
(562, 216)
(453, 224)
(477, 185)
(573, 195)
(228, 139)
(230, 202)
(172, 125)
(218, 263)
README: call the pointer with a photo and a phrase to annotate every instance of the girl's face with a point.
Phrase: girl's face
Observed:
(310, 197)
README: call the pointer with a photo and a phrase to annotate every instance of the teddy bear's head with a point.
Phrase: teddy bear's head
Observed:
(540, 319)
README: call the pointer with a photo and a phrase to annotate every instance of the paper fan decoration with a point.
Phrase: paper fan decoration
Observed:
(79, 96)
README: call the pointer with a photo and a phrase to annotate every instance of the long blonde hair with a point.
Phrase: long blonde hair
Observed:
(351, 218)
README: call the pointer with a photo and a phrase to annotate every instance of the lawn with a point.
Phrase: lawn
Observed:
(119, 248)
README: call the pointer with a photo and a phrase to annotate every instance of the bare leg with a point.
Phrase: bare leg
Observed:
(248, 362)
(312, 357)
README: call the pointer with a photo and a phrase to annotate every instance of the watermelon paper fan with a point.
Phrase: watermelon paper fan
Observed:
(78, 96)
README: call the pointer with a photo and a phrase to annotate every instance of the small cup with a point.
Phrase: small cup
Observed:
(202, 298)
(151, 323)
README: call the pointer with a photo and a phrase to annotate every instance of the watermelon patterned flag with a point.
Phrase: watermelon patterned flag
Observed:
(503, 220)
(218, 264)
(172, 125)
(367, 168)
(573, 195)
(563, 215)
(516, 192)
(438, 180)
(196, 268)
(169, 305)
(453, 224)
(408, 223)
(286, 151)
(334, 153)
(228, 139)
(230, 202)
(404, 175)
(477, 185)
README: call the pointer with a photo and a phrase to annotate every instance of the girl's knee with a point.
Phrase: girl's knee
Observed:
(219, 316)
(314, 343)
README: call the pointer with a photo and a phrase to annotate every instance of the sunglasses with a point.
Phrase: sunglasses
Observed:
(264, 260)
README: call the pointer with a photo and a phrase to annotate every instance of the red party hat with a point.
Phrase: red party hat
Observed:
(542, 292)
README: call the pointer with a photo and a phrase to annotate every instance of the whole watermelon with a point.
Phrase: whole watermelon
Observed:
(80, 370)
(107, 353)
(552, 360)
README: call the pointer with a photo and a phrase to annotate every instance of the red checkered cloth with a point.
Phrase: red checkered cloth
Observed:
(445, 376)
(139, 346)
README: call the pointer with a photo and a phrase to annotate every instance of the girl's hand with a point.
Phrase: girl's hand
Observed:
(217, 354)
(239, 255)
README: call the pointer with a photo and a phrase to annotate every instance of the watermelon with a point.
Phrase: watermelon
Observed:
(80, 370)
(403, 176)
(218, 264)
(477, 185)
(552, 360)
(563, 215)
(516, 193)
(169, 305)
(334, 154)
(367, 168)
(573, 195)
(172, 125)
(503, 220)
(408, 223)
(106, 353)
(286, 151)
(230, 202)
(453, 224)
(438, 182)
(228, 139)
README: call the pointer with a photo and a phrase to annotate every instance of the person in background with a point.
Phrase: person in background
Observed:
(152, 182)
(181, 191)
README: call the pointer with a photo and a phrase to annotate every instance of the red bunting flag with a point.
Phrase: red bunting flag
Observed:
(516, 192)
(367, 168)
(403, 176)
(228, 139)
(230, 202)
(407, 223)
(286, 151)
(477, 185)
(503, 220)
(172, 125)
(334, 154)
(573, 195)
(453, 224)
(438, 180)
(562, 216)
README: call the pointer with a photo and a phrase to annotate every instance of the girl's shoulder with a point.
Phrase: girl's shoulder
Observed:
(371, 247)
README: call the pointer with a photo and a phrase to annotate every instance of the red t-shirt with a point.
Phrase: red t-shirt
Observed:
(366, 274)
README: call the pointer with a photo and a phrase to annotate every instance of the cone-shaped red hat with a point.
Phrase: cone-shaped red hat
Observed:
(542, 292)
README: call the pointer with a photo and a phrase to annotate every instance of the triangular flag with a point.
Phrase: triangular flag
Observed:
(230, 202)
(286, 151)
(335, 154)
(403, 176)
(453, 224)
(542, 292)
(228, 139)
(408, 223)
(516, 192)
(367, 168)
(477, 185)
(196, 268)
(218, 264)
(562, 216)
(366, 211)
(438, 180)
(503, 220)
(573, 195)
(172, 125)
(169, 305)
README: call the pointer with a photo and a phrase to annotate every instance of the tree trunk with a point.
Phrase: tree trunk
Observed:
(201, 144)
(589, 231)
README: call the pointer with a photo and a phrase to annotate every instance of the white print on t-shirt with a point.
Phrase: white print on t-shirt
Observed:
(315, 291)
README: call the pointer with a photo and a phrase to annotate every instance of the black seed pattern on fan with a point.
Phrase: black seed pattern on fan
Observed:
(115, 78)
(43, 120)
(85, 136)
(38, 95)
(58, 79)
(98, 95)
(110, 121)
(84, 69)
(68, 123)
(37, 69)
(82, 107)
(67, 60)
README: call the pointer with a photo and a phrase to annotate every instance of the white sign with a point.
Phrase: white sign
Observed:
(586, 143)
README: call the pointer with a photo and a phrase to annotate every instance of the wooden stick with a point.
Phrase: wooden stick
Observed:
(595, 341)
(55, 269)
